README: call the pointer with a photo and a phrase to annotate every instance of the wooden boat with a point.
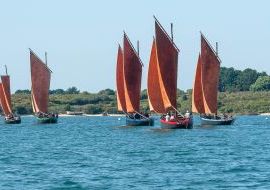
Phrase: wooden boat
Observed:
(128, 83)
(162, 80)
(205, 88)
(40, 79)
(5, 99)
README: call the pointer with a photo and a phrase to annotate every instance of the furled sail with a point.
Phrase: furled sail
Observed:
(121, 101)
(40, 79)
(210, 76)
(132, 76)
(197, 93)
(162, 72)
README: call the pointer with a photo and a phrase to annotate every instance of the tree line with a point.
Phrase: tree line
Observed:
(232, 80)
(240, 93)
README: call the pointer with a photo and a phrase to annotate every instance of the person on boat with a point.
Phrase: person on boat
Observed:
(136, 116)
(146, 115)
(167, 117)
(187, 114)
(9, 116)
(172, 118)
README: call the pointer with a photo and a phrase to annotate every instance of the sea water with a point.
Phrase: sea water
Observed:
(101, 153)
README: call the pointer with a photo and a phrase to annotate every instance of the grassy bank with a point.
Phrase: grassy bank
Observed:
(96, 103)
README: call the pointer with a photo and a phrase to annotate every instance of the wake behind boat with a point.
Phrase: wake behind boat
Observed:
(162, 81)
(40, 79)
(128, 83)
(205, 89)
(5, 99)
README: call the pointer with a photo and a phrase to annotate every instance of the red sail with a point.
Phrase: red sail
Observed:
(7, 95)
(197, 94)
(132, 77)
(4, 93)
(121, 102)
(40, 78)
(163, 71)
(155, 99)
(210, 76)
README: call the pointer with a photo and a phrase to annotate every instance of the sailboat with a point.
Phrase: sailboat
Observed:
(205, 88)
(40, 80)
(162, 81)
(128, 83)
(5, 99)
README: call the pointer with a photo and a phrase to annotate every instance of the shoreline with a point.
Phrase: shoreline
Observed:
(123, 115)
(92, 115)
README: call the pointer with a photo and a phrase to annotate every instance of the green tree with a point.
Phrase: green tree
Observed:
(228, 79)
(72, 90)
(144, 95)
(107, 92)
(246, 79)
(261, 84)
(22, 92)
(93, 109)
(57, 91)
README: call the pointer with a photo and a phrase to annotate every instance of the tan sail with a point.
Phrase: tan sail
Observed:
(197, 93)
(6, 97)
(40, 79)
(121, 101)
(162, 73)
(132, 76)
(210, 76)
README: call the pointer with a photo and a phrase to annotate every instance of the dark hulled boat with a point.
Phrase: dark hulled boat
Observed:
(128, 83)
(162, 80)
(40, 79)
(5, 99)
(205, 88)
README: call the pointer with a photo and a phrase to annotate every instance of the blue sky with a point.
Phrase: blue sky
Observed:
(81, 37)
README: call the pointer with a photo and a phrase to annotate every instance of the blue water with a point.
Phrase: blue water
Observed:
(99, 153)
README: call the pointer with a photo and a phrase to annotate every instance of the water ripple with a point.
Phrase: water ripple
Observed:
(102, 153)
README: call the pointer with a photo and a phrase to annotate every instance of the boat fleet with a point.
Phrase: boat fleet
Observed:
(161, 85)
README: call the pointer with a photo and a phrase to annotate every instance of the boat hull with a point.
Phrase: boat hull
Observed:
(140, 122)
(220, 121)
(13, 121)
(44, 120)
(181, 123)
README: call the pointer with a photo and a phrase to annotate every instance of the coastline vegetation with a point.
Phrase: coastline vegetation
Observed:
(241, 92)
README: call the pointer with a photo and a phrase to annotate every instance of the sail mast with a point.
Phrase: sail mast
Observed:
(217, 49)
(46, 59)
(138, 48)
(172, 31)
(6, 69)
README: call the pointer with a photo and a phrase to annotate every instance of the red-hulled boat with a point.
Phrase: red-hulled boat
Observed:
(205, 88)
(128, 83)
(162, 80)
